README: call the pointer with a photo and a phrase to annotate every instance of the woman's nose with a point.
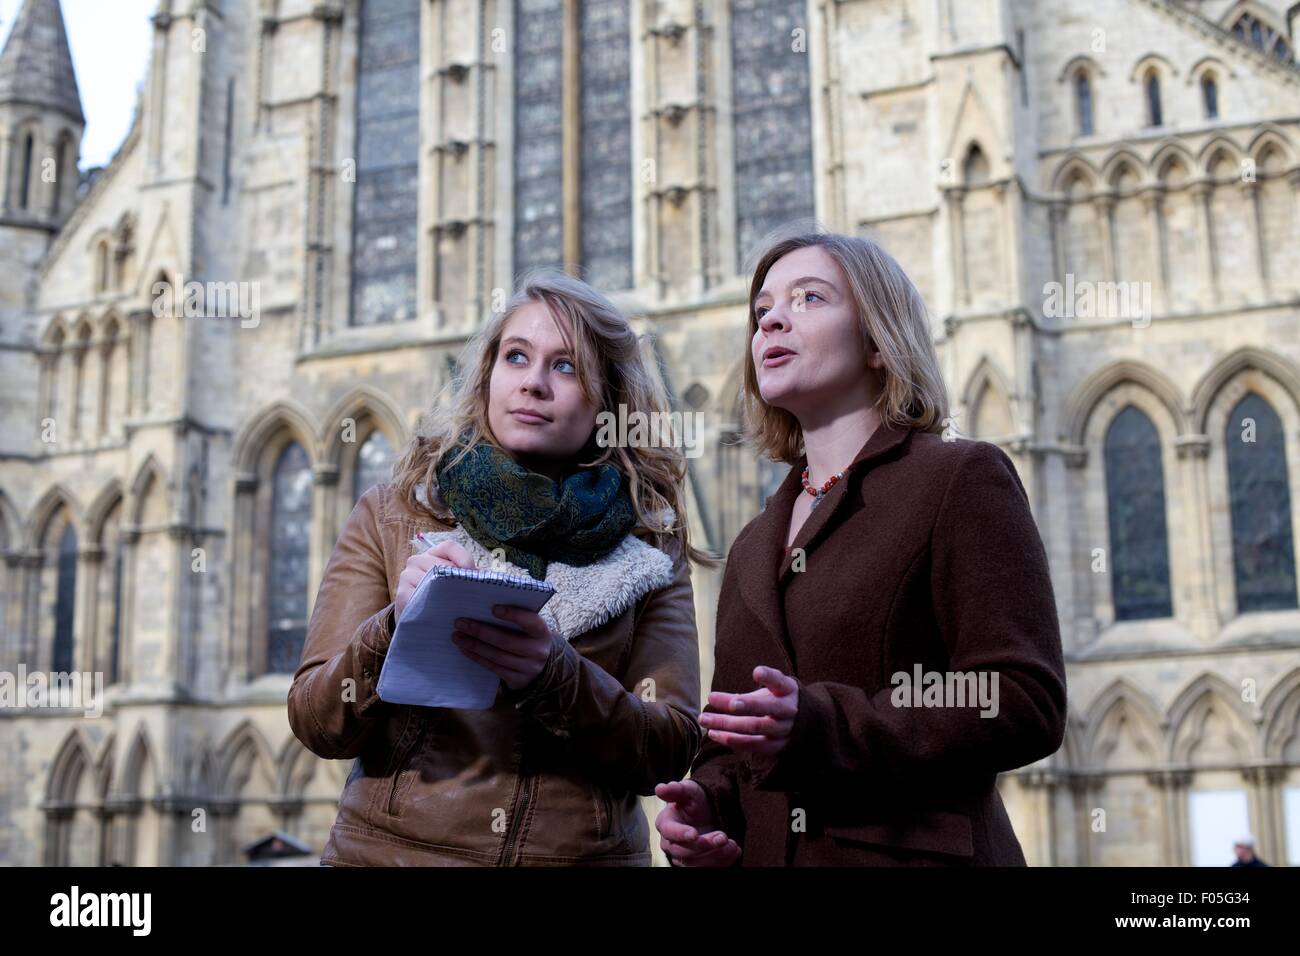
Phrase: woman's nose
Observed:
(774, 319)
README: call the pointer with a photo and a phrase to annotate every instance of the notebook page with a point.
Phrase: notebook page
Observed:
(423, 667)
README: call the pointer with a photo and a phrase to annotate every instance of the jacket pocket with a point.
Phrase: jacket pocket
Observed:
(404, 767)
(930, 831)
(604, 811)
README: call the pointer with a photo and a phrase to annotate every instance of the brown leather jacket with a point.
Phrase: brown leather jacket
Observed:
(550, 774)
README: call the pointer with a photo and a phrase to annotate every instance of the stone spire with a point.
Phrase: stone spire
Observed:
(36, 65)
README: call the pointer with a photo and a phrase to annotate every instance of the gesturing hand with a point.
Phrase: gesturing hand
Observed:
(688, 832)
(769, 714)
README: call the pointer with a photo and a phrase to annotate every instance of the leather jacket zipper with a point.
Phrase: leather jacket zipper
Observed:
(516, 818)
(403, 769)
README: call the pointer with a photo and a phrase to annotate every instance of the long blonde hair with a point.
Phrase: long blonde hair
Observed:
(891, 316)
(611, 373)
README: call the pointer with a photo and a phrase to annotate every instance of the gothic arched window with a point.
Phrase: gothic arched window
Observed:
(374, 463)
(772, 119)
(1083, 102)
(1210, 96)
(1260, 502)
(1135, 503)
(290, 541)
(1155, 116)
(1250, 29)
(65, 600)
(386, 198)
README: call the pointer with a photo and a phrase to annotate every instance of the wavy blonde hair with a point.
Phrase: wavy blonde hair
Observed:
(610, 372)
(891, 316)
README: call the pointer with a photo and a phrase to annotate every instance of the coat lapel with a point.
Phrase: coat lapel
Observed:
(824, 516)
(764, 562)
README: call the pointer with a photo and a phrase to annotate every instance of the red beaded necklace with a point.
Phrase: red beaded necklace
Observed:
(819, 493)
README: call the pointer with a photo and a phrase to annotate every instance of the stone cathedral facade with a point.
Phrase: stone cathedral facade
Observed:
(1100, 203)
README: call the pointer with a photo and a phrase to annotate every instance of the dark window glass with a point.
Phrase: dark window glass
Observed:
(1210, 92)
(374, 463)
(387, 157)
(1135, 499)
(25, 187)
(606, 150)
(1154, 116)
(772, 112)
(65, 601)
(1262, 548)
(1083, 100)
(290, 538)
(539, 130)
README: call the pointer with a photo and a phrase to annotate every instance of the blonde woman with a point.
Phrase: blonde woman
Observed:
(887, 639)
(599, 694)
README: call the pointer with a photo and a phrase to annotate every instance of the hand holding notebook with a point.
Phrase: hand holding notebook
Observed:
(423, 666)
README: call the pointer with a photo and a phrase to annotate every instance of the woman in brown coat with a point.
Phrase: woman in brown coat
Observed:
(599, 694)
(887, 638)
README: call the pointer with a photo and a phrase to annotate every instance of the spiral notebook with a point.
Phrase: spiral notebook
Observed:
(423, 667)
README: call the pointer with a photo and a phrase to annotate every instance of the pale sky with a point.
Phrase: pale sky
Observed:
(110, 42)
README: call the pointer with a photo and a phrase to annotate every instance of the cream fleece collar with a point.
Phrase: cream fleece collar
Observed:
(585, 597)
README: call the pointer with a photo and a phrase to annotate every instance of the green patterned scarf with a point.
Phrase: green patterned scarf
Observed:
(533, 518)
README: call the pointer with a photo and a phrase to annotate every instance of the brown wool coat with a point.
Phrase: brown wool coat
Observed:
(925, 553)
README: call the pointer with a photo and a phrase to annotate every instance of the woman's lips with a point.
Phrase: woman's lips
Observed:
(779, 359)
(528, 418)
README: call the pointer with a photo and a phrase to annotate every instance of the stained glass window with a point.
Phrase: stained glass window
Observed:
(384, 229)
(539, 130)
(772, 110)
(1135, 497)
(1262, 548)
(606, 181)
(290, 537)
(65, 601)
(115, 647)
(374, 463)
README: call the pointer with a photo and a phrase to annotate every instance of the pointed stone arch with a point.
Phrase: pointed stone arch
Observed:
(987, 382)
(1281, 725)
(139, 766)
(279, 418)
(150, 480)
(1219, 147)
(1168, 156)
(1122, 711)
(1271, 138)
(1084, 401)
(109, 497)
(360, 403)
(244, 753)
(1210, 698)
(1121, 161)
(1075, 167)
(1247, 358)
(55, 499)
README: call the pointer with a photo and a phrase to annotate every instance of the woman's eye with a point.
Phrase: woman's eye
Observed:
(812, 295)
(570, 366)
(510, 356)
(760, 312)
